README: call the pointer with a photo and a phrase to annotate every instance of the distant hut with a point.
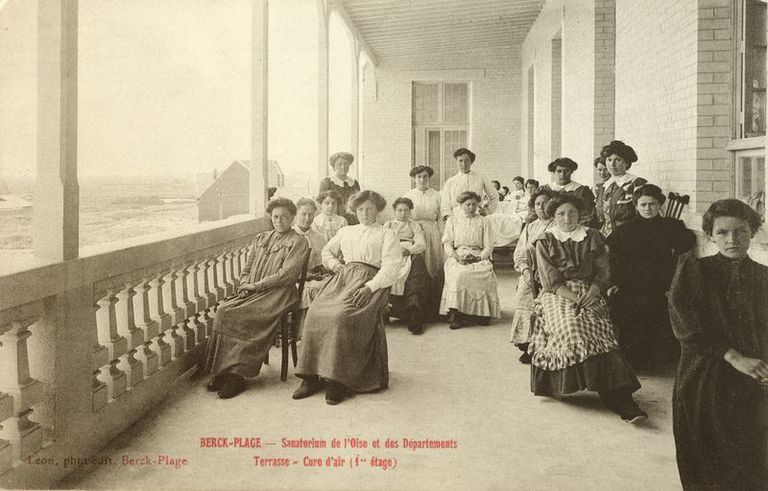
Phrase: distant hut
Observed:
(228, 194)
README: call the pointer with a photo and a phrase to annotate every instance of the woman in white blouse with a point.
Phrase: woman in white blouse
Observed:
(470, 294)
(344, 345)
(426, 212)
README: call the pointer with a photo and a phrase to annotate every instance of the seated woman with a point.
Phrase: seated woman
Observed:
(328, 221)
(245, 326)
(522, 321)
(470, 294)
(344, 343)
(317, 275)
(573, 346)
(408, 295)
(643, 252)
(719, 311)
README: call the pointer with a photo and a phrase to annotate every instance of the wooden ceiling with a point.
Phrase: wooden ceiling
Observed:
(402, 27)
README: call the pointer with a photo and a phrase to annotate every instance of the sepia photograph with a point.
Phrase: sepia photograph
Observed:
(383, 244)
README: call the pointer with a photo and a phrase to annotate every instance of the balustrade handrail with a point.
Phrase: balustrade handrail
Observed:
(32, 285)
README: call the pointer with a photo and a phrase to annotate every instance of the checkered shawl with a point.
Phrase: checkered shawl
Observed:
(565, 336)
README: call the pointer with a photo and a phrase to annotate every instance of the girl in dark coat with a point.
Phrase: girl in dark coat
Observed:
(643, 252)
(719, 312)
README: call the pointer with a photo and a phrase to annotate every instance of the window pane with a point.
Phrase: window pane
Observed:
(754, 68)
(425, 103)
(433, 156)
(750, 185)
(455, 103)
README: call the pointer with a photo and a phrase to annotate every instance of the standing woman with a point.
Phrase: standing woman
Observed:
(522, 321)
(573, 346)
(341, 182)
(344, 344)
(614, 199)
(426, 212)
(719, 312)
(643, 252)
(470, 294)
(561, 170)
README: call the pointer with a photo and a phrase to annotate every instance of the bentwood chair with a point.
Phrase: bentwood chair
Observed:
(675, 204)
(289, 325)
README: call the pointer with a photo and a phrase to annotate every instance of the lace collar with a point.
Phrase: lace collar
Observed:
(619, 181)
(577, 235)
(340, 182)
(571, 186)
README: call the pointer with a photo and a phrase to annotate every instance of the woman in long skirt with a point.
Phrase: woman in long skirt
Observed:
(573, 345)
(470, 293)
(719, 311)
(245, 326)
(426, 212)
(344, 346)
(522, 320)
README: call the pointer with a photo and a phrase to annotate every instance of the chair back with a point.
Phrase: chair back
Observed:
(675, 204)
(303, 275)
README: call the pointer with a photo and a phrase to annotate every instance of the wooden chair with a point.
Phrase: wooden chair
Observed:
(289, 320)
(675, 204)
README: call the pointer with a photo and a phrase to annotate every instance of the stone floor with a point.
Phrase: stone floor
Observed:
(461, 385)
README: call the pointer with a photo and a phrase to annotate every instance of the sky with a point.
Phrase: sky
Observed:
(165, 86)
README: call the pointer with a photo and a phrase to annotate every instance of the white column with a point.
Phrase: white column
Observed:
(56, 212)
(259, 99)
(355, 108)
(322, 90)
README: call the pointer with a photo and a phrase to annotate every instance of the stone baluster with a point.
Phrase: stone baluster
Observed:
(157, 311)
(232, 284)
(106, 324)
(148, 326)
(6, 412)
(126, 327)
(190, 319)
(176, 313)
(99, 357)
(215, 264)
(210, 297)
(200, 301)
(25, 435)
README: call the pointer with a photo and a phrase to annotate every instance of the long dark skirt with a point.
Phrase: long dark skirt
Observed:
(719, 426)
(600, 373)
(414, 297)
(644, 331)
(244, 330)
(344, 343)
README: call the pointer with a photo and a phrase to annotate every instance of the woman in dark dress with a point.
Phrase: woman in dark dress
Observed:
(643, 252)
(573, 346)
(245, 326)
(561, 170)
(719, 312)
(344, 345)
(341, 182)
(613, 202)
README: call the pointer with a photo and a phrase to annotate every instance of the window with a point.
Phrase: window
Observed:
(748, 183)
(440, 125)
(752, 48)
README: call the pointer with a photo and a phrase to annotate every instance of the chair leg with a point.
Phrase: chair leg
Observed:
(284, 348)
(296, 317)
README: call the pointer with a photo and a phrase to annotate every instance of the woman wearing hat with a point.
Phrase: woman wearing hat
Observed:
(341, 183)
(426, 212)
(614, 201)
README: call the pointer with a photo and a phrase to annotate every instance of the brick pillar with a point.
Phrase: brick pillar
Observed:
(605, 75)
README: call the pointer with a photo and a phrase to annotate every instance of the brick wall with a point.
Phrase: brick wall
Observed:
(715, 99)
(605, 76)
(574, 23)
(494, 77)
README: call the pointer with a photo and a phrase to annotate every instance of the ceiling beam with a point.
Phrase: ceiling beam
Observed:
(505, 6)
(385, 32)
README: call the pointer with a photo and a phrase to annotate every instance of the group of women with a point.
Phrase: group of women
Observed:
(595, 299)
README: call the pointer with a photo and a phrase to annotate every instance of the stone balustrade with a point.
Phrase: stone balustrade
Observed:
(87, 346)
